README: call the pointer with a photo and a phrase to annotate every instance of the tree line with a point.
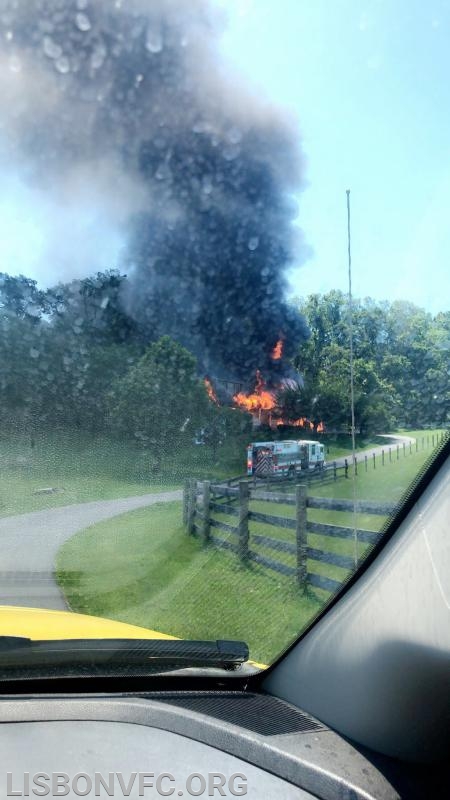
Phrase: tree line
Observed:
(401, 365)
(71, 357)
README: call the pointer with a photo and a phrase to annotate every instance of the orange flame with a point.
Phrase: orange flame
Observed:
(210, 390)
(303, 422)
(277, 351)
(263, 401)
(259, 400)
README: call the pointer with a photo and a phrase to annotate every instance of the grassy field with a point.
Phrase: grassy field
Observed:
(77, 468)
(386, 483)
(340, 445)
(142, 568)
(82, 468)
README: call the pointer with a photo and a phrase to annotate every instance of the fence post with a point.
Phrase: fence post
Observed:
(185, 502)
(301, 491)
(398, 452)
(365, 463)
(192, 495)
(243, 520)
(346, 468)
(334, 470)
(355, 465)
(206, 510)
(410, 448)
(390, 455)
(423, 442)
(432, 440)
(374, 465)
(382, 458)
(404, 449)
(417, 445)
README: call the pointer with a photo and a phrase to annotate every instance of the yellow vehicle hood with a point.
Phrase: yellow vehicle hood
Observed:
(42, 623)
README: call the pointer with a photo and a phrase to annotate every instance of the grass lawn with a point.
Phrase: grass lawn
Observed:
(386, 483)
(80, 469)
(340, 445)
(83, 468)
(142, 568)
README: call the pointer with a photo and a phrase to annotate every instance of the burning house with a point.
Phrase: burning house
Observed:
(262, 400)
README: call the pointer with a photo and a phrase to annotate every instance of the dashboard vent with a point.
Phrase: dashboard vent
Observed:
(259, 713)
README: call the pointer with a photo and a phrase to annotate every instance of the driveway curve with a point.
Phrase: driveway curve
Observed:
(392, 440)
(29, 544)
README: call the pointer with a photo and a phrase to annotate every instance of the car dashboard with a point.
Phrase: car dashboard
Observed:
(208, 743)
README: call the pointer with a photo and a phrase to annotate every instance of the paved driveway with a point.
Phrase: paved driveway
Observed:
(29, 543)
(392, 441)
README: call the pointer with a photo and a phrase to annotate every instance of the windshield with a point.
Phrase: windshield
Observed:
(224, 316)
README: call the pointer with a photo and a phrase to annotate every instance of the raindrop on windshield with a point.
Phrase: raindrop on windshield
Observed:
(51, 49)
(231, 152)
(153, 41)
(62, 64)
(14, 64)
(98, 56)
(82, 22)
(163, 173)
(207, 186)
(234, 135)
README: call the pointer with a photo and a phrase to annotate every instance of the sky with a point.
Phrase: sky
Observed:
(369, 82)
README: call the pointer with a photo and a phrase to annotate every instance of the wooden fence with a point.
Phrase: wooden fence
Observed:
(222, 515)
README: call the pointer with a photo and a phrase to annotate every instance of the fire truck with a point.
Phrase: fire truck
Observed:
(284, 458)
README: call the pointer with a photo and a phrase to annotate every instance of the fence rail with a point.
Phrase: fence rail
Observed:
(202, 507)
(223, 515)
(270, 519)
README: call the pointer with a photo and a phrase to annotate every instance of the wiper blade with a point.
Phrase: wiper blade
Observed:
(16, 651)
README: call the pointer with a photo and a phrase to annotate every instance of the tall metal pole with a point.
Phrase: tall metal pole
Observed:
(352, 374)
(350, 327)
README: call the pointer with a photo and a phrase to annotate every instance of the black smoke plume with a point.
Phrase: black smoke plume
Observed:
(128, 105)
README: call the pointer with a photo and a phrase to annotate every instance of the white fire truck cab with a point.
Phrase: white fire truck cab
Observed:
(284, 458)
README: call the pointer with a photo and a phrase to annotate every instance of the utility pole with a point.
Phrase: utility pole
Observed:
(350, 328)
(352, 377)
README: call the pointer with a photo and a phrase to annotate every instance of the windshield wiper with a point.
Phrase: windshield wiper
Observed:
(151, 654)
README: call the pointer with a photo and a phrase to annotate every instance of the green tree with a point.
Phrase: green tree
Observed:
(324, 362)
(160, 402)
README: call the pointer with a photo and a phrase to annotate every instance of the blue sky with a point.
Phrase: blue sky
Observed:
(369, 83)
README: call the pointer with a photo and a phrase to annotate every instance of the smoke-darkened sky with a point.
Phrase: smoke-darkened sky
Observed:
(367, 81)
(124, 137)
